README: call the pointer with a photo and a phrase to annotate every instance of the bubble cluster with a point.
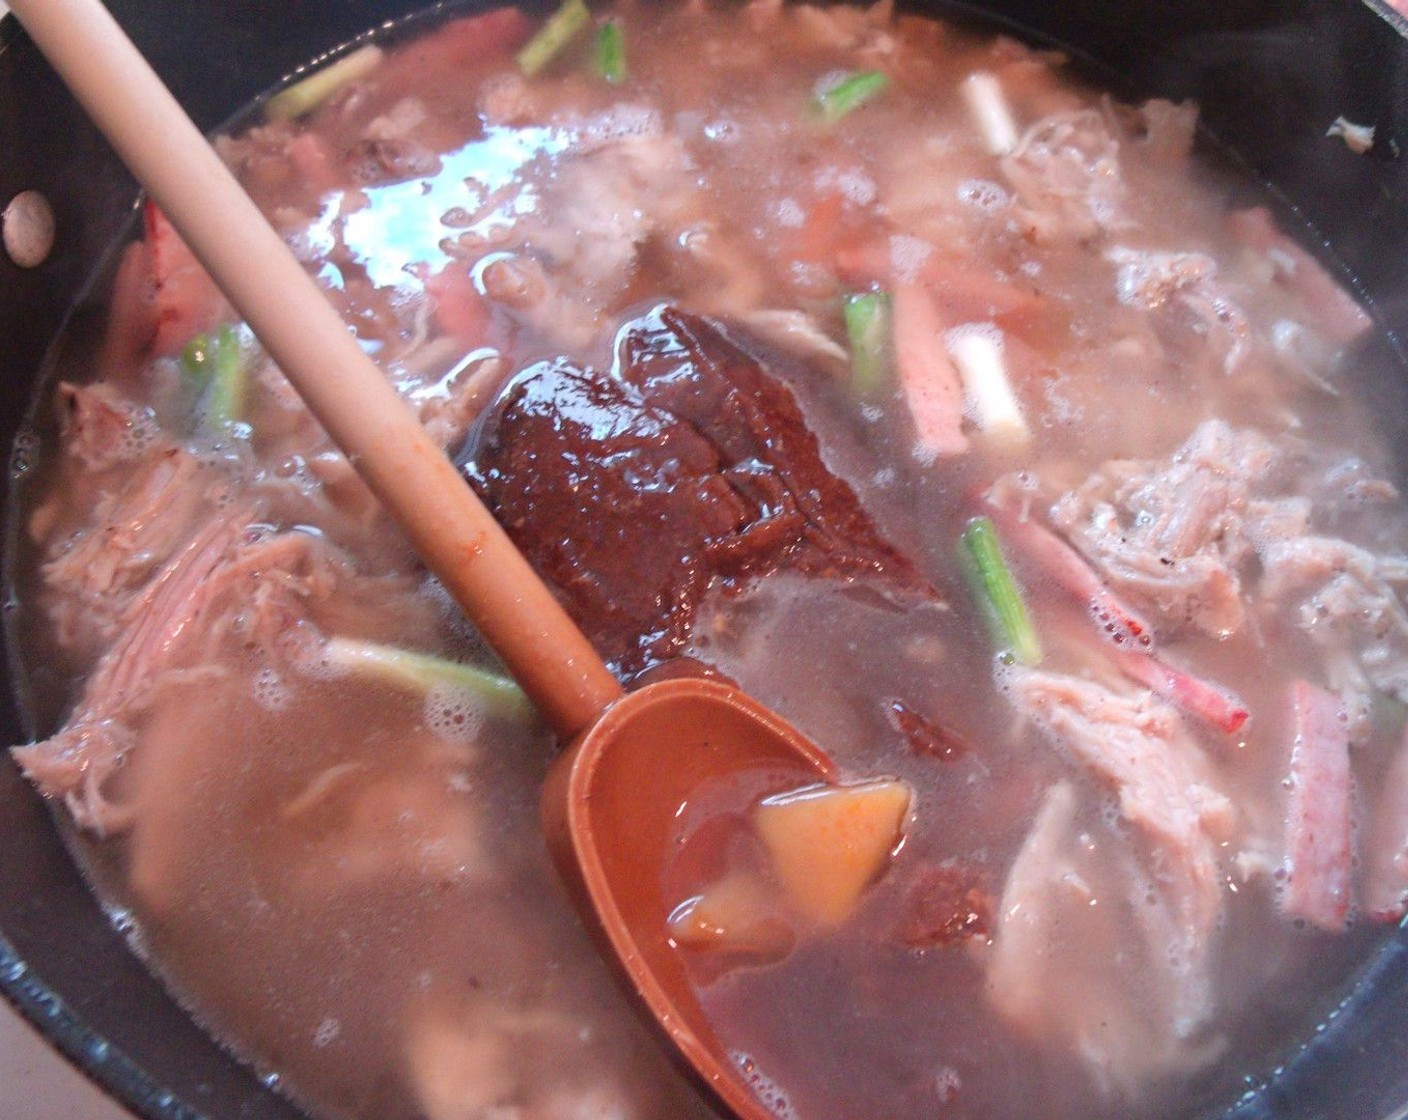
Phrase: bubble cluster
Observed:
(908, 255)
(452, 714)
(791, 214)
(327, 1032)
(853, 184)
(621, 123)
(983, 195)
(270, 691)
(772, 1095)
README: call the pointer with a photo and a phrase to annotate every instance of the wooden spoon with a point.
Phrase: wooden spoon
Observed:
(631, 761)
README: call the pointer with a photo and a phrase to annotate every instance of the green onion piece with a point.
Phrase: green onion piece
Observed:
(198, 358)
(850, 93)
(868, 331)
(561, 28)
(423, 671)
(999, 594)
(225, 403)
(218, 362)
(304, 96)
(611, 52)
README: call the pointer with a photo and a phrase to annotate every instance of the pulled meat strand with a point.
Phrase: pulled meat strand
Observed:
(1138, 746)
(227, 557)
(1122, 624)
(76, 763)
(1128, 633)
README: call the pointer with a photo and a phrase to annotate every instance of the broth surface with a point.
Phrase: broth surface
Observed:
(739, 346)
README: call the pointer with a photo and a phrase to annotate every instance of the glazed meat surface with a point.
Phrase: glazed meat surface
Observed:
(687, 467)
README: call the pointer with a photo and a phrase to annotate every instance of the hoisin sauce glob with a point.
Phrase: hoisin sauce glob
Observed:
(632, 491)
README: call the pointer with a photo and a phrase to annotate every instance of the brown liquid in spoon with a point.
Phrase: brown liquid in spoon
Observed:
(611, 808)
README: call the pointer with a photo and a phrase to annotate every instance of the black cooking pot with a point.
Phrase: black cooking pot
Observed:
(1270, 75)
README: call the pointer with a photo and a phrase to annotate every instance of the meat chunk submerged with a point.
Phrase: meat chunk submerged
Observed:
(1138, 746)
(632, 493)
(1064, 968)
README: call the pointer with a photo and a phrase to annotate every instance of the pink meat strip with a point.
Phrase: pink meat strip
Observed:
(1212, 703)
(1129, 634)
(1384, 895)
(1319, 814)
(927, 375)
(187, 299)
(1122, 624)
(132, 315)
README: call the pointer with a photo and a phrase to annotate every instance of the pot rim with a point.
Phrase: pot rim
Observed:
(109, 1067)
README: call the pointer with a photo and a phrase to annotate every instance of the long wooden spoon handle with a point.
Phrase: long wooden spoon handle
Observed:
(453, 532)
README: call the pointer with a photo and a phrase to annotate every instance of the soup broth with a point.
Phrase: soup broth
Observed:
(949, 406)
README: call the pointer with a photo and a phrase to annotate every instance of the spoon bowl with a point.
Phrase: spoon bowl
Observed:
(612, 807)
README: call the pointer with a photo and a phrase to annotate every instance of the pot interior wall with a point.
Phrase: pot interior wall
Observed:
(1270, 75)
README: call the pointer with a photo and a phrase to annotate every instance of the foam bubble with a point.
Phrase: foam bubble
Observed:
(722, 131)
(316, 663)
(908, 255)
(854, 185)
(791, 214)
(622, 122)
(141, 434)
(327, 1032)
(449, 614)
(983, 195)
(452, 714)
(270, 691)
(773, 1095)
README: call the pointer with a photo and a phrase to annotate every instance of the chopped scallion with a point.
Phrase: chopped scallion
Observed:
(198, 358)
(977, 351)
(988, 104)
(218, 363)
(304, 96)
(850, 92)
(868, 331)
(997, 591)
(423, 671)
(562, 27)
(611, 52)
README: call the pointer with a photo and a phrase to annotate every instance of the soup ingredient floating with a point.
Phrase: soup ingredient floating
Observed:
(822, 846)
